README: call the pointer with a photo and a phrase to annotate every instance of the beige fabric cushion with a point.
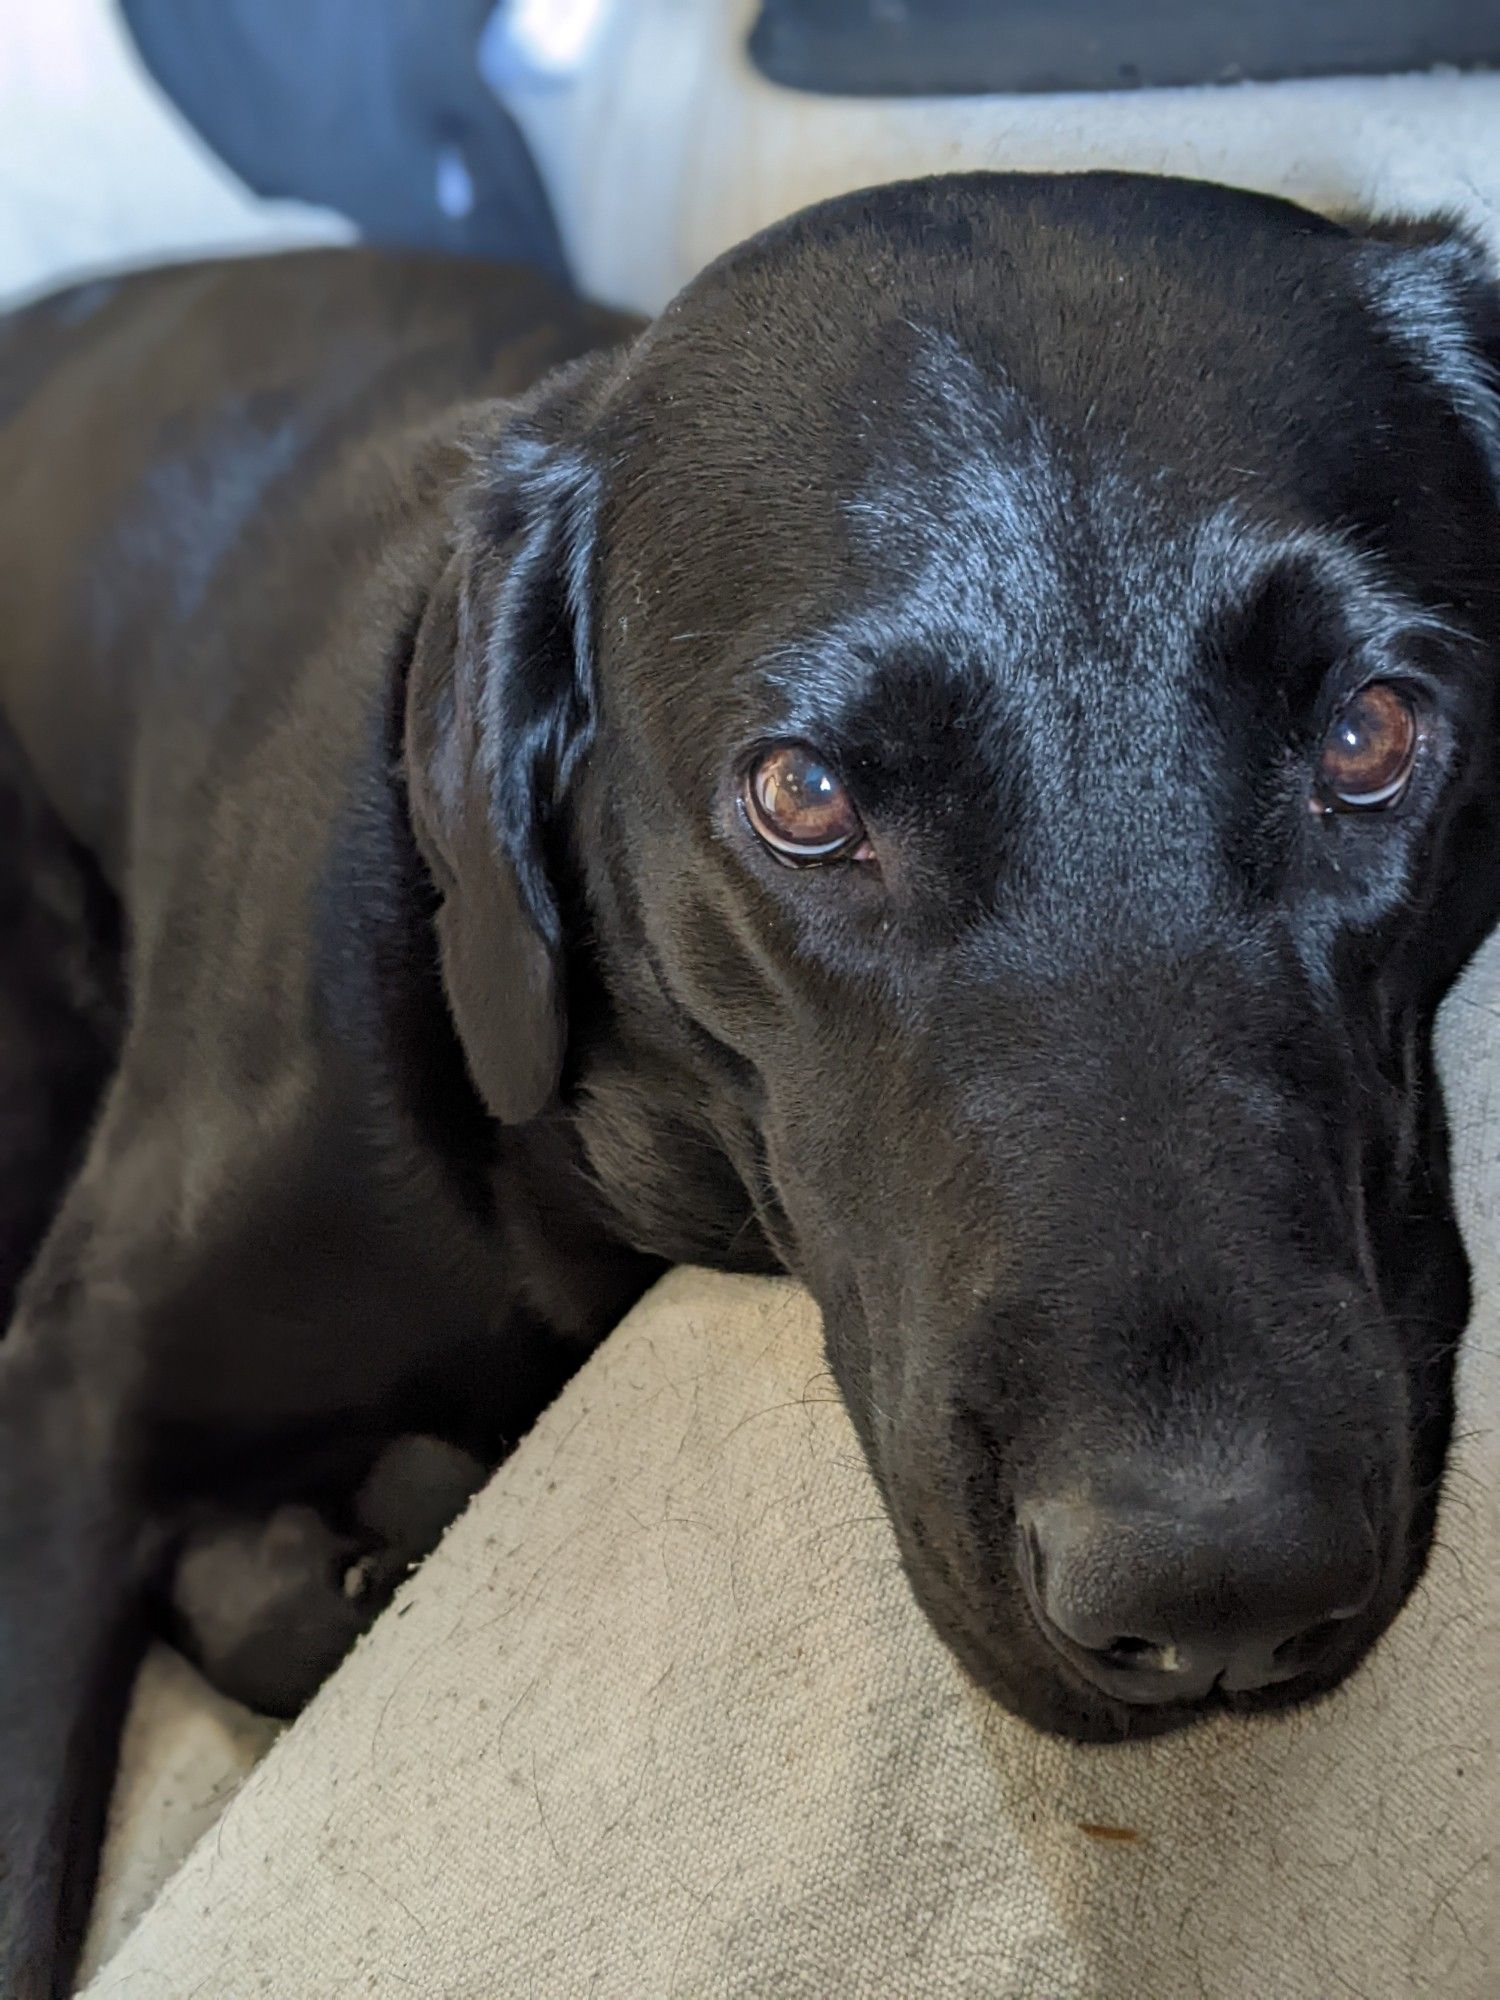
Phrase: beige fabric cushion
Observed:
(661, 1718)
(186, 1750)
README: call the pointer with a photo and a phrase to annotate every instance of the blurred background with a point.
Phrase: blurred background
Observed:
(625, 142)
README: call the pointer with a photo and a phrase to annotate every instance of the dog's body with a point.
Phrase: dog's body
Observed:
(297, 1195)
(209, 635)
(361, 733)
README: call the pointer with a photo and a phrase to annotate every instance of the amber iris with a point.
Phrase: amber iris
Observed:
(800, 807)
(1369, 752)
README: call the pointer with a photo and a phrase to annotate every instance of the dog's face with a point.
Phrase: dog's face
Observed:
(1003, 673)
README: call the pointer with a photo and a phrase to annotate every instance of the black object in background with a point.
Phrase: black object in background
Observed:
(374, 108)
(905, 48)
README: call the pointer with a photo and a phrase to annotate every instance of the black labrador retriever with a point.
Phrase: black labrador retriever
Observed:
(958, 763)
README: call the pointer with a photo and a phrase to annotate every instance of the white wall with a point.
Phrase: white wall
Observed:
(97, 168)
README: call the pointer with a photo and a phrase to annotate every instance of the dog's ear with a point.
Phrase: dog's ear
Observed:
(499, 710)
(1437, 286)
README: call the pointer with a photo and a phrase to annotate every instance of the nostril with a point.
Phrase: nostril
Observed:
(1035, 1560)
(1130, 1652)
(1147, 1657)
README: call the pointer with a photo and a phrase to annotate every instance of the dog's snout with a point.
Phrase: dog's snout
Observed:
(1167, 1599)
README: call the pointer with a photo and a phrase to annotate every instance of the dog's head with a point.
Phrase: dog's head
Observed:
(985, 714)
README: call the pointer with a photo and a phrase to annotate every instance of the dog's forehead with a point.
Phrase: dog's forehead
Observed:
(1042, 433)
(1182, 316)
(846, 398)
(949, 509)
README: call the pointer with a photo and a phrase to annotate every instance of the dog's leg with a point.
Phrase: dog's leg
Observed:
(75, 1548)
(60, 1011)
(69, 1642)
(67, 1606)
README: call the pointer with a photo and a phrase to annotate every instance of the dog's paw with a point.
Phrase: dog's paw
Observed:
(414, 1489)
(267, 1607)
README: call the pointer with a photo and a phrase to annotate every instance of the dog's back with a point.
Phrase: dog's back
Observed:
(201, 460)
(202, 472)
(222, 490)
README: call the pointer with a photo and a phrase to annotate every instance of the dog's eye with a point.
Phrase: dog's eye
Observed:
(1369, 752)
(801, 809)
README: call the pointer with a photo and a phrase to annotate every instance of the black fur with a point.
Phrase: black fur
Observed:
(399, 726)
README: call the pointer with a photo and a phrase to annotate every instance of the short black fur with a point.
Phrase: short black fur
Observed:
(400, 985)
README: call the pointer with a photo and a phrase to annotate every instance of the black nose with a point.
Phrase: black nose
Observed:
(1162, 1601)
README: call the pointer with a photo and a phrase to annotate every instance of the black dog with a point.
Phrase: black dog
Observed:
(958, 763)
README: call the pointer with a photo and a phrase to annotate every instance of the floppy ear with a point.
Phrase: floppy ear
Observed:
(499, 709)
(1438, 288)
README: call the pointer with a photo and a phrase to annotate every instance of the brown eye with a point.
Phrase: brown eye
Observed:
(1369, 752)
(800, 808)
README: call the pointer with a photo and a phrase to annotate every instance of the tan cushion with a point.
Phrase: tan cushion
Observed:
(661, 1718)
(186, 1751)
